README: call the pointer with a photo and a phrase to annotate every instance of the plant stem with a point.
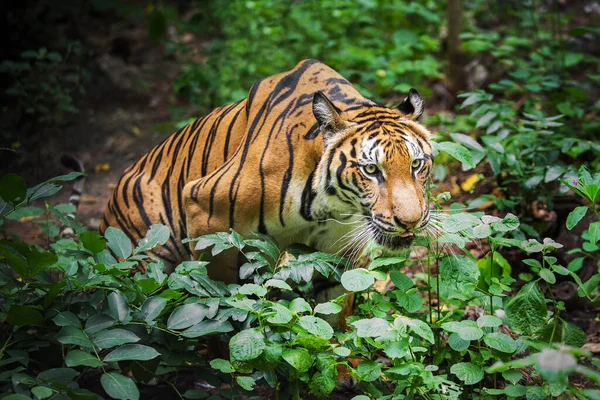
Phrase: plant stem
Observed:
(491, 276)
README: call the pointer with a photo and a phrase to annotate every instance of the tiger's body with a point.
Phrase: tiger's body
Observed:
(287, 162)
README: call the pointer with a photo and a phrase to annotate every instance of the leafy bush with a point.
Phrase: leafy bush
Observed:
(102, 321)
(45, 82)
(384, 47)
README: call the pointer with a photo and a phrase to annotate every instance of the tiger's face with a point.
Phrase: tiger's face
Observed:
(375, 167)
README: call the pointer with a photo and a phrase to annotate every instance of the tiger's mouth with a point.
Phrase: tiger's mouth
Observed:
(393, 241)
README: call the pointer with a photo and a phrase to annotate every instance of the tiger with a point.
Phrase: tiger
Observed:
(305, 158)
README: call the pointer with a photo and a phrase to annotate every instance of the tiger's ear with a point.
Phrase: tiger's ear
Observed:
(413, 105)
(327, 115)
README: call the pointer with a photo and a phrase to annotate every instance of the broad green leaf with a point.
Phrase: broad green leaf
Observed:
(316, 326)
(251, 288)
(207, 327)
(299, 305)
(157, 235)
(247, 345)
(548, 275)
(515, 391)
(372, 327)
(513, 376)
(300, 359)
(277, 283)
(401, 281)
(152, 308)
(457, 343)
(73, 335)
(459, 222)
(40, 392)
(132, 352)
(24, 315)
(114, 337)
(489, 321)
(379, 262)
(282, 314)
(322, 385)
(467, 372)
(120, 387)
(410, 302)
(458, 275)
(420, 328)
(76, 358)
(67, 318)
(357, 280)
(118, 306)
(246, 382)
(510, 222)
(594, 232)
(222, 365)
(501, 342)
(457, 151)
(98, 322)
(187, 315)
(118, 242)
(328, 308)
(13, 189)
(92, 241)
(526, 312)
(342, 351)
(369, 371)
(575, 216)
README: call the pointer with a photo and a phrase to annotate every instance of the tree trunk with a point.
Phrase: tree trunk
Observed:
(456, 59)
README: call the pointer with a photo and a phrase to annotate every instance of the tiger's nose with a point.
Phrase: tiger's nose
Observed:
(407, 224)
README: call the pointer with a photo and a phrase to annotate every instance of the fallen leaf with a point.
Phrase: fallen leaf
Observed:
(469, 184)
(105, 167)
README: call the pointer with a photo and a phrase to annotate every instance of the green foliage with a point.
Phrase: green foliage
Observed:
(132, 327)
(45, 82)
(383, 47)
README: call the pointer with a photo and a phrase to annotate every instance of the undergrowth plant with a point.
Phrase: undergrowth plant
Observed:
(83, 310)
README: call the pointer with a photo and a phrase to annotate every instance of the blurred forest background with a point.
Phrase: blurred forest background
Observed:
(516, 82)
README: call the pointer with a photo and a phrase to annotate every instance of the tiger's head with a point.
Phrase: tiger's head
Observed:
(374, 168)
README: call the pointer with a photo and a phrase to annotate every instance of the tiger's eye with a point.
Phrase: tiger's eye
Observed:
(416, 163)
(370, 168)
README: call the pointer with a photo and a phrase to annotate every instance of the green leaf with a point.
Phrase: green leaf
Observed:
(24, 315)
(252, 288)
(156, 235)
(207, 327)
(152, 308)
(513, 376)
(401, 281)
(300, 359)
(342, 351)
(369, 371)
(410, 302)
(98, 322)
(222, 365)
(40, 392)
(246, 382)
(118, 242)
(594, 232)
(114, 337)
(299, 305)
(118, 386)
(357, 280)
(282, 314)
(548, 275)
(467, 372)
(93, 241)
(501, 342)
(132, 352)
(316, 326)
(457, 151)
(515, 391)
(13, 189)
(489, 321)
(510, 222)
(328, 308)
(118, 305)
(187, 315)
(77, 357)
(67, 318)
(73, 335)
(322, 385)
(459, 222)
(277, 283)
(575, 216)
(247, 345)
(458, 275)
(526, 312)
(60, 375)
(420, 328)
(457, 343)
(372, 327)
